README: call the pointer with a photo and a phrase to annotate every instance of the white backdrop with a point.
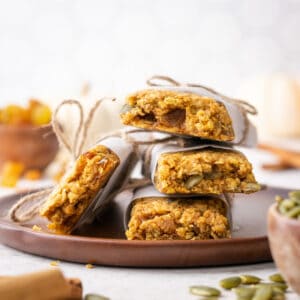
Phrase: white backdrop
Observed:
(49, 48)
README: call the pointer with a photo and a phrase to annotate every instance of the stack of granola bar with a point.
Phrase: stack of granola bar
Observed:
(190, 183)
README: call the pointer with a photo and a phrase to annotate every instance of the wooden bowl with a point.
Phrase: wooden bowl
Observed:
(284, 239)
(33, 146)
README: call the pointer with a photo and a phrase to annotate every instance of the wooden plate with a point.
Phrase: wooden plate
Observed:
(104, 243)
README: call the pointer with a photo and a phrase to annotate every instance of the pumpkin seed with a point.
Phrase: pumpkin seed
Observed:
(244, 292)
(263, 293)
(277, 278)
(290, 207)
(205, 291)
(288, 204)
(279, 285)
(295, 195)
(250, 279)
(252, 187)
(278, 297)
(282, 209)
(274, 285)
(278, 199)
(277, 291)
(211, 175)
(95, 297)
(193, 180)
(230, 282)
(294, 212)
(126, 108)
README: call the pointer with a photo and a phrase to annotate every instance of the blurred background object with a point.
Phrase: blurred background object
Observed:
(28, 143)
(49, 48)
(277, 99)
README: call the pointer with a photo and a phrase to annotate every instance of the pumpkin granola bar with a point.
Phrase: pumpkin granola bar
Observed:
(157, 218)
(180, 113)
(205, 171)
(69, 200)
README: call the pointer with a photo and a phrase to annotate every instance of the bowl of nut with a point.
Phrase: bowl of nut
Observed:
(27, 140)
(284, 237)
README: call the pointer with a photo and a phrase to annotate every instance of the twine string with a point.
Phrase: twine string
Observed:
(33, 210)
(244, 106)
(160, 80)
(60, 132)
(87, 124)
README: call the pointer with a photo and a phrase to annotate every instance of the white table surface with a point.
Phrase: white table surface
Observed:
(137, 284)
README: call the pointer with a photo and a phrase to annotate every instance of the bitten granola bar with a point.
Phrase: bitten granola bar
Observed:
(204, 171)
(180, 113)
(158, 218)
(73, 195)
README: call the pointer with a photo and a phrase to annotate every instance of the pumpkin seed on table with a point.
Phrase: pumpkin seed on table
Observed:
(263, 293)
(230, 282)
(245, 293)
(95, 297)
(274, 285)
(250, 279)
(204, 291)
(192, 181)
(277, 278)
(278, 294)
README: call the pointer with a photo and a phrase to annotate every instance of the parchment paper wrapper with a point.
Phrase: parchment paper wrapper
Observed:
(119, 178)
(150, 192)
(244, 131)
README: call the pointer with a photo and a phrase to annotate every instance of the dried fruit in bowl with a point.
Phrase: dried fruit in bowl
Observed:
(33, 174)
(40, 114)
(11, 173)
(14, 115)
(36, 113)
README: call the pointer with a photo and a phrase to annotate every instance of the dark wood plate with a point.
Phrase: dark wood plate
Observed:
(104, 243)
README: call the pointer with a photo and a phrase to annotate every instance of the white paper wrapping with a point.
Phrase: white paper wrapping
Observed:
(119, 178)
(245, 132)
(150, 192)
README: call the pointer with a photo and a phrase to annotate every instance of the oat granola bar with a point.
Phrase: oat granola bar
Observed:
(180, 113)
(204, 171)
(158, 218)
(73, 195)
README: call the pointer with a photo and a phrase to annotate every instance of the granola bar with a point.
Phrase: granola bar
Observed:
(204, 171)
(180, 113)
(73, 195)
(158, 218)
